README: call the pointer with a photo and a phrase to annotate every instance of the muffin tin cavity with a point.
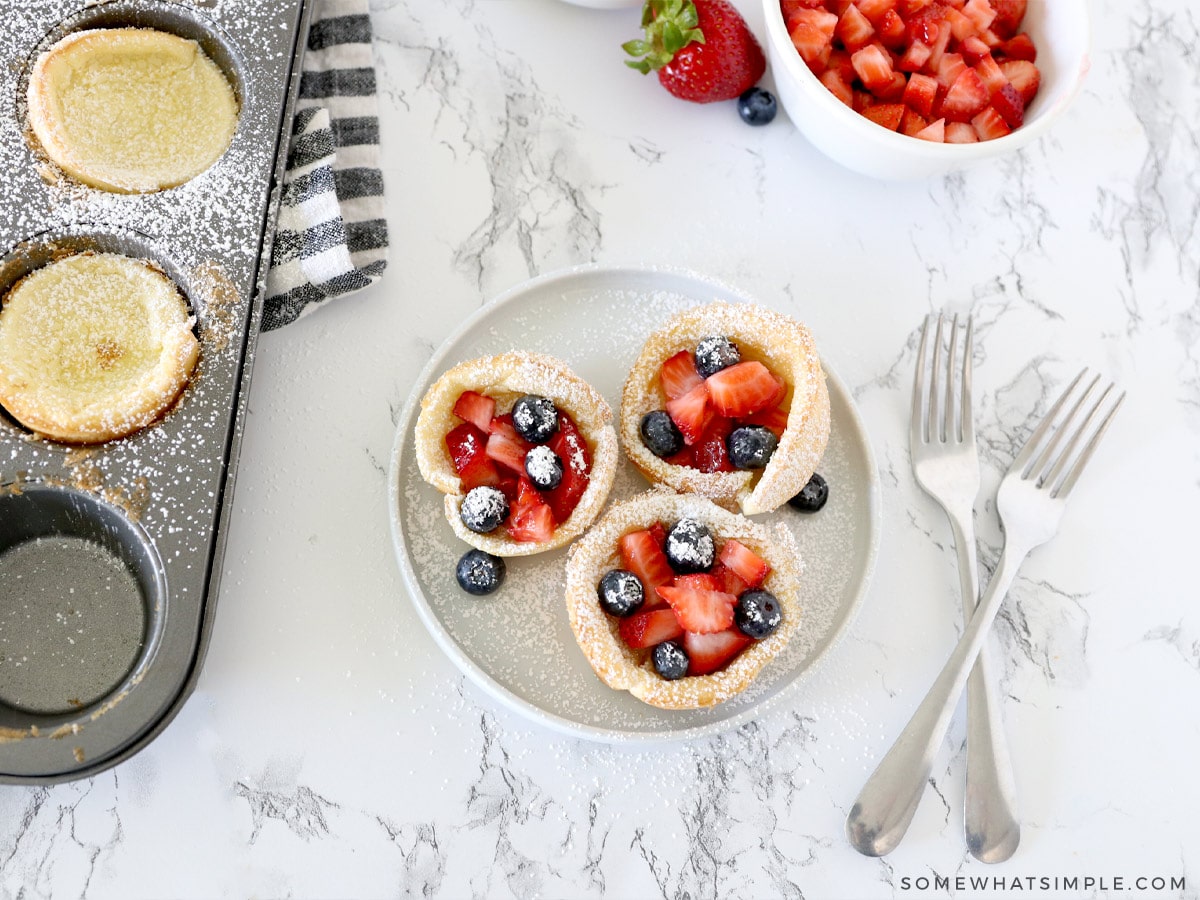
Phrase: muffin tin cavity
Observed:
(82, 600)
(125, 16)
(35, 254)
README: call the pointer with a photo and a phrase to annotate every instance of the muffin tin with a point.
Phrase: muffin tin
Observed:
(110, 555)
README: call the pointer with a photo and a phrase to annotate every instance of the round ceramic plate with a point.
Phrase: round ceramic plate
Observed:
(517, 644)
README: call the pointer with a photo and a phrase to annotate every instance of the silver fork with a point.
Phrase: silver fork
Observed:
(1031, 500)
(946, 465)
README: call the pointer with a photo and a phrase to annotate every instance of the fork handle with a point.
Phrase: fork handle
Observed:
(886, 805)
(993, 831)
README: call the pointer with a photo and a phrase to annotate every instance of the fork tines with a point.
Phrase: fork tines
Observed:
(936, 417)
(1062, 444)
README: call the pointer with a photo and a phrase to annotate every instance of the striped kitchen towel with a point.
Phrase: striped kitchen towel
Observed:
(331, 237)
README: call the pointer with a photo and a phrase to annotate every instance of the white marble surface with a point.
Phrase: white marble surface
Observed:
(332, 750)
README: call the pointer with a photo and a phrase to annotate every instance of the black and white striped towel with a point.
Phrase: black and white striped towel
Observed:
(331, 238)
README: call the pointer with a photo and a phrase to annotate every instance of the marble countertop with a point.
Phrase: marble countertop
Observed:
(331, 749)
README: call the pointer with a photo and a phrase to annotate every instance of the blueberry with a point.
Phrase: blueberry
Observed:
(716, 353)
(757, 614)
(535, 418)
(751, 446)
(670, 660)
(690, 547)
(543, 467)
(757, 106)
(479, 573)
(621, 593)
(812, 496)
(660, 435)
(483, 509)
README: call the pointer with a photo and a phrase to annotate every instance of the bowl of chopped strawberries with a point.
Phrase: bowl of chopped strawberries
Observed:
(908, 89)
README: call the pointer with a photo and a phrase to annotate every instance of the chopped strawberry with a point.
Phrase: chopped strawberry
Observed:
(934, 131)
(699, 581)
(989, 125)
(650, 627)
(1009, 14)
(980, 12)
(774, 419)
(811, 43)
(476, 409)
(894, 92)
(709, 652)
(838, 86)
(938, 47)
(576, 458)
(920, 93)
(821, 19)
(685, 457)
(873, 65)
(886, 114)
(854, 29)
(949, 68)
(893, 33)
(915, 57)
(973, 50)
(692, 412)
(923, 27)
(678, 374)
(991, 74)
(728, 580)
(960, 133)
(748, 565)
(530, 519)
(1019, 47)
(700, 611)
(1009, 104)
(710, 453)
(643, 555)
(659, 532)
(507, 447)
(1024, 76)
(839, 61)
(875, 10)
(468, 452)
(966, 97)
(961, 26)
(747, 387)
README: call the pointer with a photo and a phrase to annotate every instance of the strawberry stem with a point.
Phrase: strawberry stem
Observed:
(670, 25)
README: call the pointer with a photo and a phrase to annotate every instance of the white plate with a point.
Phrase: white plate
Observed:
(517, 644)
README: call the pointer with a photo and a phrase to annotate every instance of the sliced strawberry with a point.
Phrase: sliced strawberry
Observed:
(1024, 76)
(1009, 14)
(854, 29)
(467, 446)
(678, 374)
(1019, 47)
(949, 67)
(659, 532)
(960, 133)
(692, 412)
(1009, 104)
(838, 86)
(747, 387)
(576, 458)
(507, 447)
(684, 457)
(989, 125)
(710, 453)
(873, 65)
(966, 97)
(934, 132)
(476, 409)
(748, 565)
(920, 93)
(650, 627)
(642, 554)
(991, 74)
(774, 419)
(709, 652)
(700, 611)
(886, 114)
(699, 581)
(728, 580)
(530, 519)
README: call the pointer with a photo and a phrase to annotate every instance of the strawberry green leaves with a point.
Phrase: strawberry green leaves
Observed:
(670, 25)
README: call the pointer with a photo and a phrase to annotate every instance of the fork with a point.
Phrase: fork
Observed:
(946, 465)
(1030, 501)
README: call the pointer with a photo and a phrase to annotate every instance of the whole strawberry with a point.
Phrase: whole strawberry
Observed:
(701, 49)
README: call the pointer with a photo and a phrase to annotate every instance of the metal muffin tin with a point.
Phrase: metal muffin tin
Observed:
(153, 507)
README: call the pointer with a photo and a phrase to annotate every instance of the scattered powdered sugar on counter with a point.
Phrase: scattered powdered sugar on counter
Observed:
(520, 637)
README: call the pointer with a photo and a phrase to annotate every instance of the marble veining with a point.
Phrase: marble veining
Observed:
(332, 750)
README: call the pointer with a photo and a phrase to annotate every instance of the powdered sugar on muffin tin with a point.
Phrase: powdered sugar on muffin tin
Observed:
(517, 644)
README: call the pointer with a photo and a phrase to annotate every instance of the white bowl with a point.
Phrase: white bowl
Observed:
(1061, 31)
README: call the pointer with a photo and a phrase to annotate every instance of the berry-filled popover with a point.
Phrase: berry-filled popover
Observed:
(680, 602)
(728, 401)
(523, 449)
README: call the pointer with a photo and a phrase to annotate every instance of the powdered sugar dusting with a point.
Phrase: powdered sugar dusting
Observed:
(519, 640)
